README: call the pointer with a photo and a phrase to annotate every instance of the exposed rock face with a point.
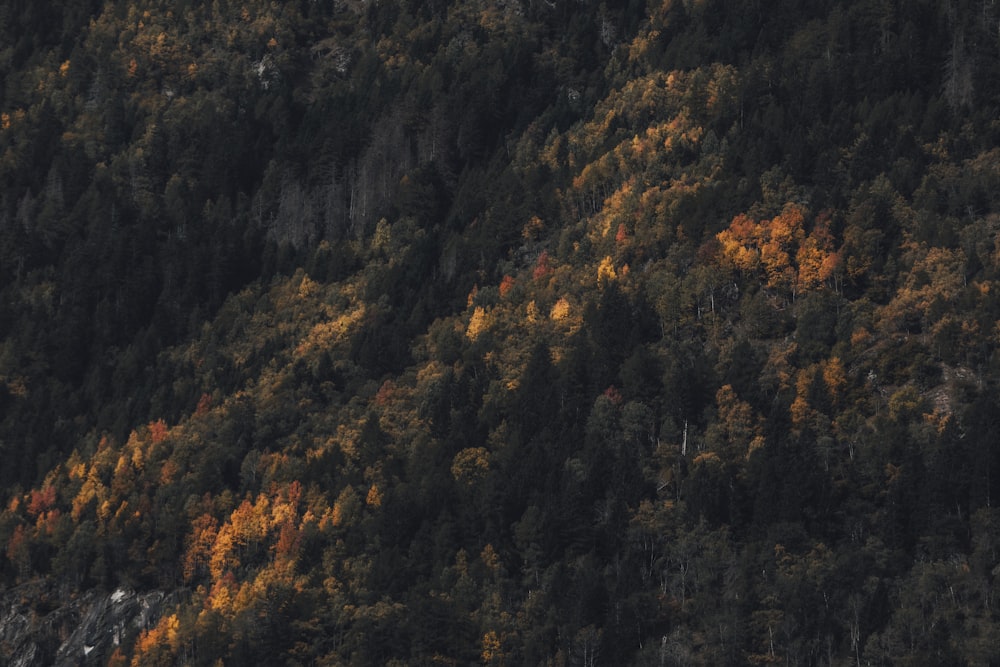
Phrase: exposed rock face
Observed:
(38, 627)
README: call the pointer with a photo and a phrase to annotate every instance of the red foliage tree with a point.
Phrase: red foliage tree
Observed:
(542, 267)
(41, 500)
(506, 285)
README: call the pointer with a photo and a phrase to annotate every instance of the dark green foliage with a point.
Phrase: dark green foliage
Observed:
(405, 333)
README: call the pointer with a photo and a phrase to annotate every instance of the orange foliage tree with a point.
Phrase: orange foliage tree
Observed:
(41, 500)
(204, 530)
(506, 285)
(780, 253)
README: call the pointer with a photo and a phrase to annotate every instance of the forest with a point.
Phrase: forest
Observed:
(500, 332)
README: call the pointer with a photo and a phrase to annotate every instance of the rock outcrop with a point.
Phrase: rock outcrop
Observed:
(38, 626)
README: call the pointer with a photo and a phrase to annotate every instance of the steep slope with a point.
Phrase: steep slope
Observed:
(655, 333)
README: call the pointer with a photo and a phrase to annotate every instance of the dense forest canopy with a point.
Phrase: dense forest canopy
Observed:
(501, 331)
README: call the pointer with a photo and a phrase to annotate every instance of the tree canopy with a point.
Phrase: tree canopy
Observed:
(504, 332)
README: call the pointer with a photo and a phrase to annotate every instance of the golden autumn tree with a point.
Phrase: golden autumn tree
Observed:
(741, 242)
(819, 389)
(737, 433)
(780, 253)
(782, 236)
(223, 557)
(204, 531)
(819, 262)
(158, 645)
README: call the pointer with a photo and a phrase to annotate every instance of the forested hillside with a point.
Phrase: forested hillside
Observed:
(504, 332)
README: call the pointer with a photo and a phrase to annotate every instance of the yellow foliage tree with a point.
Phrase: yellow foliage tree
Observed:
(223, 557)
(782, 236)
(478, 323)
(817, 259)
(492, 650)
(779, 252)
(606, 271)
(560, 310)
(204, 531)
(740, 243)
(835, 378)
(738, 428)
(374, 497)
(157, 645)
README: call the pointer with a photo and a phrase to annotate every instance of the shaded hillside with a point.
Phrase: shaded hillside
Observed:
(513, 333)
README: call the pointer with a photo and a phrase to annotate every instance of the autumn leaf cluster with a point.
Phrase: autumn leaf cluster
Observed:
(504, 332)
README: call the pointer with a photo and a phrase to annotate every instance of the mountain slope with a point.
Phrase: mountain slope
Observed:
(650, 333)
